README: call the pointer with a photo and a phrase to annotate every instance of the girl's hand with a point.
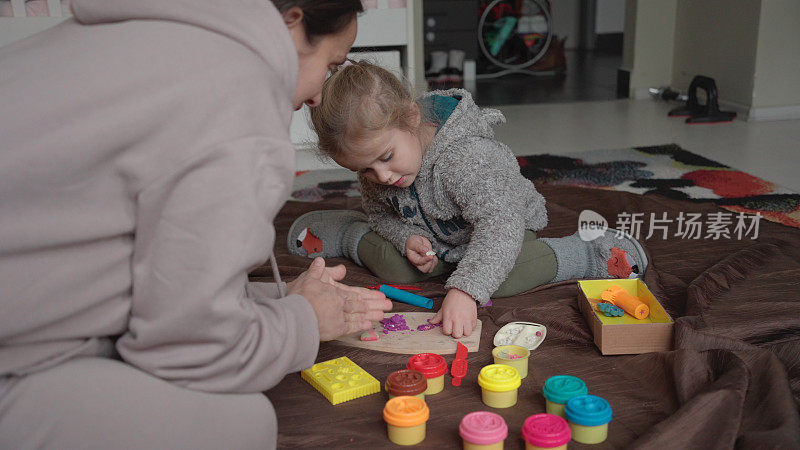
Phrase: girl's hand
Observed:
(416, 249)
(459, 314)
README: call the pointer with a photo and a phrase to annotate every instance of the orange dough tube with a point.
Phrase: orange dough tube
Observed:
(618, 296)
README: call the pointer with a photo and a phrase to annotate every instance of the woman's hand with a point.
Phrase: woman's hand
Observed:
(416, 249)
(459, 314)
(340, 309)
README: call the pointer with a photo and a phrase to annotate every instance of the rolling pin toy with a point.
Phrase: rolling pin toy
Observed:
(619, 297)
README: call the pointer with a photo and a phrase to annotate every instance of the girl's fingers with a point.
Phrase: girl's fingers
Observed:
(414, 258)
(447, 327)
(458, 329)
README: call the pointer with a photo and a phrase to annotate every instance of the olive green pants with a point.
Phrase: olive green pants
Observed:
(535, 265)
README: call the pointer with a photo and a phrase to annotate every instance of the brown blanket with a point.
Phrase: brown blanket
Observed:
(732, 380)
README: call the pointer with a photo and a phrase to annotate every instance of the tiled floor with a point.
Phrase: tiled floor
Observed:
(590, 76)
(545, 118)
(770, 150)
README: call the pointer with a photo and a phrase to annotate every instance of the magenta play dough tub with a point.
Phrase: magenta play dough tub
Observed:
(483, 430)
(546, 431)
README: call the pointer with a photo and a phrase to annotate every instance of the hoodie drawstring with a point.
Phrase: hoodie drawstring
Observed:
(277, 275)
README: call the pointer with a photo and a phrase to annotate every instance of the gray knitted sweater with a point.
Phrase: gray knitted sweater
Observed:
(469, 199)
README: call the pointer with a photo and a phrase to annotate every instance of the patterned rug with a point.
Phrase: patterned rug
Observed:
(658, 170)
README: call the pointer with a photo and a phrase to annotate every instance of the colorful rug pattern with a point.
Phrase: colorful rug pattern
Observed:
(666, 170)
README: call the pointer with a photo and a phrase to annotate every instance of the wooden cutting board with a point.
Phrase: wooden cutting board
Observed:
(413, 342)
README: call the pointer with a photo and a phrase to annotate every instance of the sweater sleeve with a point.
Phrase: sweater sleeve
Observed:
(480, 178)
(199, 232)
(262, 291)
(385, 221)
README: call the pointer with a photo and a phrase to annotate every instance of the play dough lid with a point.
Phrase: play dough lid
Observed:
(499, 378)
(588, 410)
(405, 411)
(406, 382)
(429, 364)
(525, 334)
(483, 428)
(560, 388)
(546, 430)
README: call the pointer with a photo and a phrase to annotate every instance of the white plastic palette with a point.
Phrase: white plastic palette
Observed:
(525, 334)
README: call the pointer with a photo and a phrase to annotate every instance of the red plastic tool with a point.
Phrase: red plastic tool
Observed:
(458, 368)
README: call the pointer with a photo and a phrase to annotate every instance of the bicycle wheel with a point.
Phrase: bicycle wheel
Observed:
(514, 34)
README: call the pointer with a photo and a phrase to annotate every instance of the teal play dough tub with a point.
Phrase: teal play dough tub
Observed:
(559, 389)
(588, 417)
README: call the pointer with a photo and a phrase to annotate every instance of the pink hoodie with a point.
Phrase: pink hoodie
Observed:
(144, 152)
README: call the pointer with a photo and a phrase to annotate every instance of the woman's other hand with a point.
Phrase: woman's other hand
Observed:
(340, 309)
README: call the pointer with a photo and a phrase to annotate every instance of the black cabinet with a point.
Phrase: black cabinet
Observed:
(451, 24)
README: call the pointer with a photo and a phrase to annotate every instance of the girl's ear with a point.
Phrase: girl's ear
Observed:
(293, 17)
(416, 114)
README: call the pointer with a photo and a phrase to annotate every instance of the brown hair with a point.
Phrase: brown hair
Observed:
(323, 17)
(357, 99)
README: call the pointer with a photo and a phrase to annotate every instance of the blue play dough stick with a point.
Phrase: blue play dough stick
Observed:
(406, 297)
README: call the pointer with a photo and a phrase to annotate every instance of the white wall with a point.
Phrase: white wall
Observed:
(651, 48)
(750, 47)
(628, 35)
(610, 17)
(777, 67)
(717, 38)
(566, 21)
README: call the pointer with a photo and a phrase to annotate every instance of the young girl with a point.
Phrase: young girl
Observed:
(442, 196)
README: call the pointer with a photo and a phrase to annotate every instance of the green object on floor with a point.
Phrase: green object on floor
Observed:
(503, 28)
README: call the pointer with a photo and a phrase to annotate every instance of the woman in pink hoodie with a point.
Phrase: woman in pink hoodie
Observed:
(144, 153)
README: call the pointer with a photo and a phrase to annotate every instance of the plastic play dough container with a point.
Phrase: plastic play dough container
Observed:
(525, 334)
(546, 431)
(588, 417)
(405, 419)
(406, 382)
(499, 384)
(433, 367)
(483, 430)
(514, 356)
(560, 388)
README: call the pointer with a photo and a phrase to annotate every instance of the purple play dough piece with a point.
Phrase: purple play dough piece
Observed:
(395, 323)
(398, 323)
(429, 326)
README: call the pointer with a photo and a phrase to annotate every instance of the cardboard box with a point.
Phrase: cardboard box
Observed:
(625, 334)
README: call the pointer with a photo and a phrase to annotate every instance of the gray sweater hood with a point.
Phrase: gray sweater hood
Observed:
(255, 29)
(469, 199)
(468, 119)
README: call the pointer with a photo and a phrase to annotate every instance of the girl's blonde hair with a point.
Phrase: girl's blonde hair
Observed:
(360, 98)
